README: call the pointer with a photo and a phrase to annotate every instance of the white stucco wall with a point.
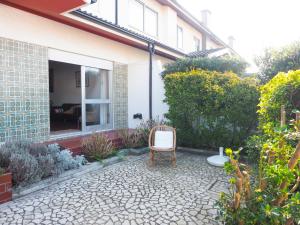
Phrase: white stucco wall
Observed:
(139, 100)
(189, 33)
(211, 44)
(23, 26)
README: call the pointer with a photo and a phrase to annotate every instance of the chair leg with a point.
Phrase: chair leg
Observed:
(151, 157)
(174, 159)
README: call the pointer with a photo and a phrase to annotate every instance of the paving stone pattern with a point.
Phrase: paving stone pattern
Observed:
(130, 192)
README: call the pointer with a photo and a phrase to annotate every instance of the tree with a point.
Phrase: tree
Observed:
(273, 61)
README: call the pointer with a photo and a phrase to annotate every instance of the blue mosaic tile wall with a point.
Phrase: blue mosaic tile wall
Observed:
(120, 95)
(24, 91)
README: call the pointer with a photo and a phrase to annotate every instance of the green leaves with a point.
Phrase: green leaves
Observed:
(283, 89)
(220, 64)
(274, 61)
(211, 109)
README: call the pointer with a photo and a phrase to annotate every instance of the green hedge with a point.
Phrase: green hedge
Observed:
(283, 89)
(220, 64)
(211, 109)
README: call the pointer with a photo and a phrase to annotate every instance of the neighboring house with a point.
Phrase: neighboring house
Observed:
(70, 67)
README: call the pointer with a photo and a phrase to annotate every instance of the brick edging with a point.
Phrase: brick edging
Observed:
(5, 188)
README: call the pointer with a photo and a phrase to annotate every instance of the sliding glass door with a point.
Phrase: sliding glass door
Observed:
(96, 99)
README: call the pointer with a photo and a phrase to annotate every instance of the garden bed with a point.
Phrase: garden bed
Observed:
(67, 175)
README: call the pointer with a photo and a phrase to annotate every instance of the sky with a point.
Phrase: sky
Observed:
(255, 24)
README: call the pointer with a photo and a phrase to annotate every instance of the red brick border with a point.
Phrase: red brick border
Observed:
(5, 188)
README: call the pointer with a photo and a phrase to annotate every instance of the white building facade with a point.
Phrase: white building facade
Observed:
(74, 67)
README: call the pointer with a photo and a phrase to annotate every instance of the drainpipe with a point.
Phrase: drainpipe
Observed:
(116, 12)
(151, 48)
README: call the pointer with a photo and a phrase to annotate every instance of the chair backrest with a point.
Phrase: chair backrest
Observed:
(160, 135)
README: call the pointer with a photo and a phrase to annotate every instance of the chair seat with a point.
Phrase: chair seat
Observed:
(161, 149)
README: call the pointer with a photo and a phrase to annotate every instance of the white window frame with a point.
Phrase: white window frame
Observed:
(85, 61)
(144, 24)
(97, 101)
(179, 28)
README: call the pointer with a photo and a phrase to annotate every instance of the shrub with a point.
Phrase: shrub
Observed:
(283, 89)
(30, 162)
(220, 64)
(211, 109)
(98, 146)
(2, 171)
(5, 154)
(65, 160)
(274, 61)
(130, 138)
(24, 168)
(253, 147)
(145, 127)
(46, 165)
(275, 197)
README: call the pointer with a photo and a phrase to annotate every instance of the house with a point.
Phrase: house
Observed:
(68, 68)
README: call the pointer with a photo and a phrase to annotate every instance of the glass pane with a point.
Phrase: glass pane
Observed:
(136, 17)
(97, 114)
(96, 83)
(92, 114)
(104, 114)
(150, 22)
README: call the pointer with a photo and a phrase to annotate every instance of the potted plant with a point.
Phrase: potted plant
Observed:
(5, 186)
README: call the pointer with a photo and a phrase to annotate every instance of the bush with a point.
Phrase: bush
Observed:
(5, 154)
(46, 165)
(275, 197)
(2, 171)
(283, 89)
(65, 160)
(24, 168)
(30, 162)
(220, 64)
(98, 146)
(253, 147)
(211, 109)
(145, 127)
(274, 61)
(130, 138)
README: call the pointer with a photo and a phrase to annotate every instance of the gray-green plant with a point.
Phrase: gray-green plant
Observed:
(30, 162)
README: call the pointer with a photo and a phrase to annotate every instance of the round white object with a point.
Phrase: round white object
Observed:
(217, 160)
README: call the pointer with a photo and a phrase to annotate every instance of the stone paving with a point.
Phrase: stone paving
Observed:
(130, 192)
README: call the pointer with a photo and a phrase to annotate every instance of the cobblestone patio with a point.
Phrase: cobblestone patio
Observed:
(130, 192)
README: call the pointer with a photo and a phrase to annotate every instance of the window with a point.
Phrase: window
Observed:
(151, 21)
(179, 37)
(143, 18)
(136, 15)
(197, 44)
(104, 9)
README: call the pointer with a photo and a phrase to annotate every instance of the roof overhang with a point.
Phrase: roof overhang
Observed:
(50, 6)
(58, 10)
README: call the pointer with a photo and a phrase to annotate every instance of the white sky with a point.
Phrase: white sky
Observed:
(255, 24)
